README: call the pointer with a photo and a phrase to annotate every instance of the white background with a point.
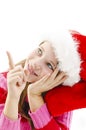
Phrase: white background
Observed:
(19, 20)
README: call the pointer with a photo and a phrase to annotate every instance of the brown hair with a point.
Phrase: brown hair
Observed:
(23, 106)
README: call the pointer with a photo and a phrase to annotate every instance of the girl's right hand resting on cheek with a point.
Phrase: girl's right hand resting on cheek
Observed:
(47, 83)
(16, 79)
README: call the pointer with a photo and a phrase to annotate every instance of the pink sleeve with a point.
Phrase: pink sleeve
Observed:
(41, 117)
(65, 119)
(6, 123)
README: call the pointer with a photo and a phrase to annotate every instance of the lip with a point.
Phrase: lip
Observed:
(31, 70)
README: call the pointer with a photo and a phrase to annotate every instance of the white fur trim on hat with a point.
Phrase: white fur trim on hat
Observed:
(66, 52)
(68, 57)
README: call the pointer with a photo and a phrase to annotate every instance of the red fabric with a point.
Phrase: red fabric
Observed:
(53, 125)
(83, 71)
(64, 98)
(81, 40)
(82, 43)
(3, 95)
(5, 74)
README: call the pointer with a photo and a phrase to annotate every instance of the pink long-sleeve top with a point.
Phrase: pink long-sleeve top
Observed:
(41, 118)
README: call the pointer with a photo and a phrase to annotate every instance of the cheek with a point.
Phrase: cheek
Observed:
(46, 70)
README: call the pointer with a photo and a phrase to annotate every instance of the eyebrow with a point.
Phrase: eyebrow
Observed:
(49, 60)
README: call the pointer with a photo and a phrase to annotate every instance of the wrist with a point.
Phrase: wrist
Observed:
(11, 108)
(34, 97)
(35, 101)
(32, 91)
(12, 98)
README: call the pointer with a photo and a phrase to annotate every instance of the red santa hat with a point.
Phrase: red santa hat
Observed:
(67, 98)
(70, 52)
(81, 40)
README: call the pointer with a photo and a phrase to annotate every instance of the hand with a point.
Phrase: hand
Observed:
(16, 79)
(48, 82)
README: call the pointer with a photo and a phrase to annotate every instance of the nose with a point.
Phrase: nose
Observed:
(37, 67)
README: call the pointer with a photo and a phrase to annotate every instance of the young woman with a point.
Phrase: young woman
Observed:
(27, 86)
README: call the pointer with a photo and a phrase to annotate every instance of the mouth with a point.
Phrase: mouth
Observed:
(31, 70)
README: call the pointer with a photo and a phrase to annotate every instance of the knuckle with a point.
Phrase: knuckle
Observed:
(17, 68)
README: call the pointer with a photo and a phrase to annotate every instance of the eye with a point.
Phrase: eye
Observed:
(39, 51)
(50, 66)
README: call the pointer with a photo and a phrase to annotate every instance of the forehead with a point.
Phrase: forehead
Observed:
(49, 50)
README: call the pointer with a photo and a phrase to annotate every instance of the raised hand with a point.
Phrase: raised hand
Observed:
(16, 79)
(47, 82)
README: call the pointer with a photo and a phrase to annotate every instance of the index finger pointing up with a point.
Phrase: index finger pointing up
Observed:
(10, 60)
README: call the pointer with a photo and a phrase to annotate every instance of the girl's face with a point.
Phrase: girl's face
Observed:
(40, 62)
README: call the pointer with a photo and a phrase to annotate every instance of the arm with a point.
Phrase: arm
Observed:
(11, 108)
(15, 85)
(11, 105)
(5, 122)
(42, 120)
(36, 100)
(16, 81)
